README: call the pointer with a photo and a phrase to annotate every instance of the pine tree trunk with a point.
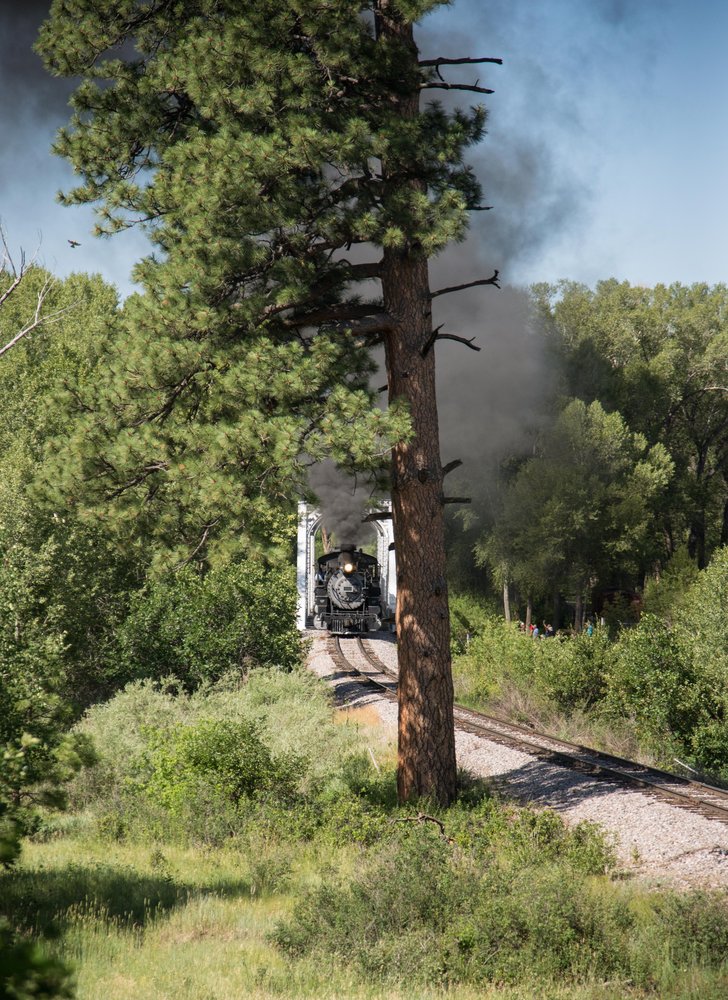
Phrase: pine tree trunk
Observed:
(426, 756)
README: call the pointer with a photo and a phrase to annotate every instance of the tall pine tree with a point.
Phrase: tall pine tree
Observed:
(278, 154)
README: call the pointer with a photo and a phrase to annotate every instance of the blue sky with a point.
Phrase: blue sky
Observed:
(607, 152)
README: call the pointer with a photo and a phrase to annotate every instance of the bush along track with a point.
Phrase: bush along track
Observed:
(250, 804)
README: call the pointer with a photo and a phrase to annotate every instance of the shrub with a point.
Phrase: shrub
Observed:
(224, 757)
(198, 765)
(509, 897)
(653, 680)
(198, 628)
(27, 973)
(496, 651)
(568, 672)
(572, 671)
(474, 908)
(666, 597)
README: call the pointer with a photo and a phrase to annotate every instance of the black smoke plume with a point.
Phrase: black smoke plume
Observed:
(343, 503)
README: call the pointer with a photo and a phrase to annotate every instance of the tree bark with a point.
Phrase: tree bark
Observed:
(426, 750)
(506, 602)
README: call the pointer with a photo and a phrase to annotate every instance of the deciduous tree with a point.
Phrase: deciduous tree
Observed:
(581, 508)
(659, 356)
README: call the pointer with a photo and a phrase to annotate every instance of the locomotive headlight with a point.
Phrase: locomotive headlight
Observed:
(349, 567)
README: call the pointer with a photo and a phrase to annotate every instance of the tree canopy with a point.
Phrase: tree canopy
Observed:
(249, 140)
(659, 356)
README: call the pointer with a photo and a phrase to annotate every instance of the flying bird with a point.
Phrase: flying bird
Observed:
(74, 243)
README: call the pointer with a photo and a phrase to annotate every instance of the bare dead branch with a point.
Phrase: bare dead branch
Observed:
(377, 515)
(492, 280)
(205, 535)
(347, 271)
(19, 273)
(441, 85)
(38, 319)
(431, 340)
(457, 500)
(442, 61)
(11, 288)
(371, 326)
(451, 466)
(461, 340)
(336, 314)
(424, 818)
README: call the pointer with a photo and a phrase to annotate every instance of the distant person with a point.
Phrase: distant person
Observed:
(535, 632)
(590, 628)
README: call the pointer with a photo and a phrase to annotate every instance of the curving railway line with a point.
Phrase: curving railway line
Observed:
(358, 658)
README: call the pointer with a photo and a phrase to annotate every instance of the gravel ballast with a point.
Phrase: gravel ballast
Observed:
(654, 840)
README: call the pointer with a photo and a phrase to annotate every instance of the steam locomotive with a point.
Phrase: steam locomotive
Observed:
(347, 595)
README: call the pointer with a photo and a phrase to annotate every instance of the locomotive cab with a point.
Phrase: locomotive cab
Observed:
(347, 596)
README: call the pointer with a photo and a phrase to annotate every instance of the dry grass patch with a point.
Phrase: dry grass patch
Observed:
(365, 716)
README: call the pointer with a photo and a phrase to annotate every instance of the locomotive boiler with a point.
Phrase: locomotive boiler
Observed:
(347, 595)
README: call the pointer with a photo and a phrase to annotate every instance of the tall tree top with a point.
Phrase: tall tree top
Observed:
(248, 138)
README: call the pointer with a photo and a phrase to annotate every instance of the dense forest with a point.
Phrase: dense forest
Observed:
(626, 474)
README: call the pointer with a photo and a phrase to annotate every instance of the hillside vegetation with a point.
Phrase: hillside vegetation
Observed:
(656, 689)
(240, 841)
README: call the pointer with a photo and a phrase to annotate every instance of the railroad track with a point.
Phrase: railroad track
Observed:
(357, 657)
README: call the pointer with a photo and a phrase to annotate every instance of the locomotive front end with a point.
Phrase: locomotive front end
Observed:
(348, 597)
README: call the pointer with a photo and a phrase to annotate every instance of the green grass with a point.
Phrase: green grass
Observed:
(200, 933)
(335, 891)
(156, 922)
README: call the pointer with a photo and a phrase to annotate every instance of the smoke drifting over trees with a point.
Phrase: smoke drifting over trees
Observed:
(30, 93)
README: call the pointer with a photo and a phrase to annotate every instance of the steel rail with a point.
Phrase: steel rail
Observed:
(683, 792)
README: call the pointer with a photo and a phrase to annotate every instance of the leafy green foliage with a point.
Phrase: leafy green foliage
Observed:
(657, 356)
(63, 584)
(498, 897)
(641, 380)
(199, 628)
(228, 758)
(494, 902)
(506, 898)
(664, 679)
(192, 766)
(665, 596)
(582, 507)
(27, 973)
(672, 678)
(653, 680)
